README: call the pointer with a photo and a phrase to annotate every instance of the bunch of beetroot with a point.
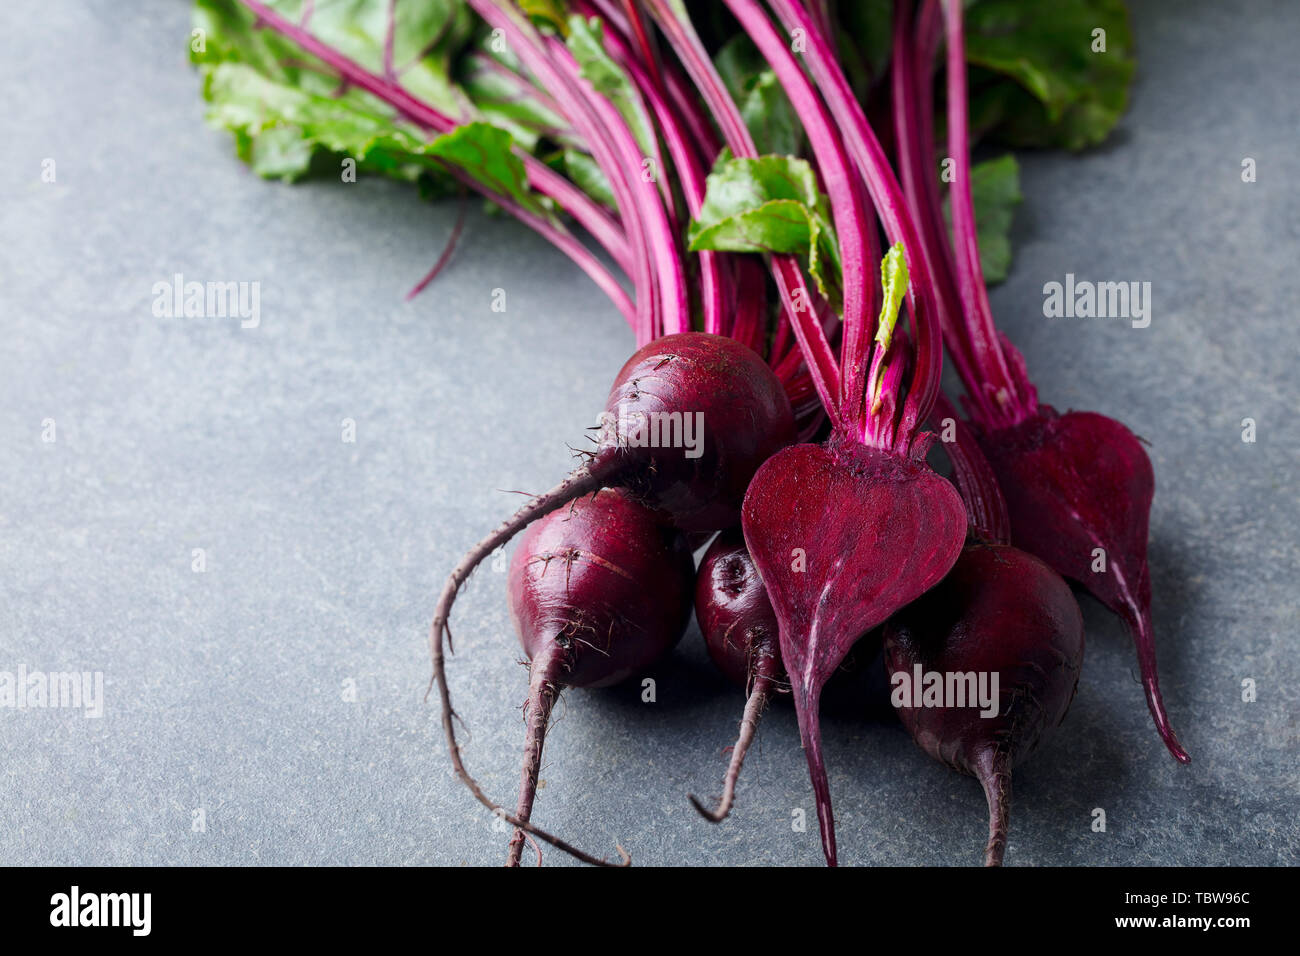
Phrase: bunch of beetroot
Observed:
(797, 309)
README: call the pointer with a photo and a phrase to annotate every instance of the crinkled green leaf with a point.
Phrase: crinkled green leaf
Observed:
(352, 124)
(288, 114)
(763, 105)
(770, 204)
(486, 153)
(1052, 89)
(586, 42)
(995, 191)
(267, 91)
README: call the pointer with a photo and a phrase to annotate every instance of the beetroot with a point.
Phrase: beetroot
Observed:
(844, 536)
(847, 533)
(727, 387)
(740, 632)
(598, 592)
(740, 415)
(1075, 483)
(1000, 611)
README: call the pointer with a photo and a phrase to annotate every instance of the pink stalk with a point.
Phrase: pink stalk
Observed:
(716, 290)
(890, 205)
(914, 139)
(675, 87)
(750, 310)
(692, 146)
(970, 275)
(674, 305)
(447, 251)
(974, 477)
(584, 210)
(795, 294)
(528, 46)
(851, 224)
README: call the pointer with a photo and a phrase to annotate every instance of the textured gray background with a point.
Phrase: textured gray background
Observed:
(224, 688)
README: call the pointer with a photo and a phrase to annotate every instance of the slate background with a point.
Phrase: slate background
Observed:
(224, 688)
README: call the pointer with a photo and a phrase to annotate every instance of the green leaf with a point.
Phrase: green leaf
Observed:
(587, 44)
(1045, 84)
(486, 153)
(995, 191)
(289, 115)
(763, 105)
(257, 108)
(548, 12)
(771, 205)
(893, 279)
(498, 100)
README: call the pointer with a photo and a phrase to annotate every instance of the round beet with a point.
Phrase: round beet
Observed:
(741, 634)
(731, 605)
(598, 592)
(712, 390)
(1000, 610)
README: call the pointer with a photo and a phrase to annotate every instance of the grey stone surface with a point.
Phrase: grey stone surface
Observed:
(224, 689)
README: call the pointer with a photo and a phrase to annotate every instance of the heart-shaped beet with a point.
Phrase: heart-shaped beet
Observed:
(1079, 489)
(843, 535)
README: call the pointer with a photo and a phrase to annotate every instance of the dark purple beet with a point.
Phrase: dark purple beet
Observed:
(598, 592)
(876, 529)
(1074, 483)
(999, 610)
(740, 632)
(746, 417)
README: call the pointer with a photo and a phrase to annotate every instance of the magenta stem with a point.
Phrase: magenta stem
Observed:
(795, 294)
(585, 211)
(675, 313)
(970, 275)
(914, 138)
(715, 285)
(842, 189)
(447, 251)
(528, 46)
(986, 508)
(890, 205)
